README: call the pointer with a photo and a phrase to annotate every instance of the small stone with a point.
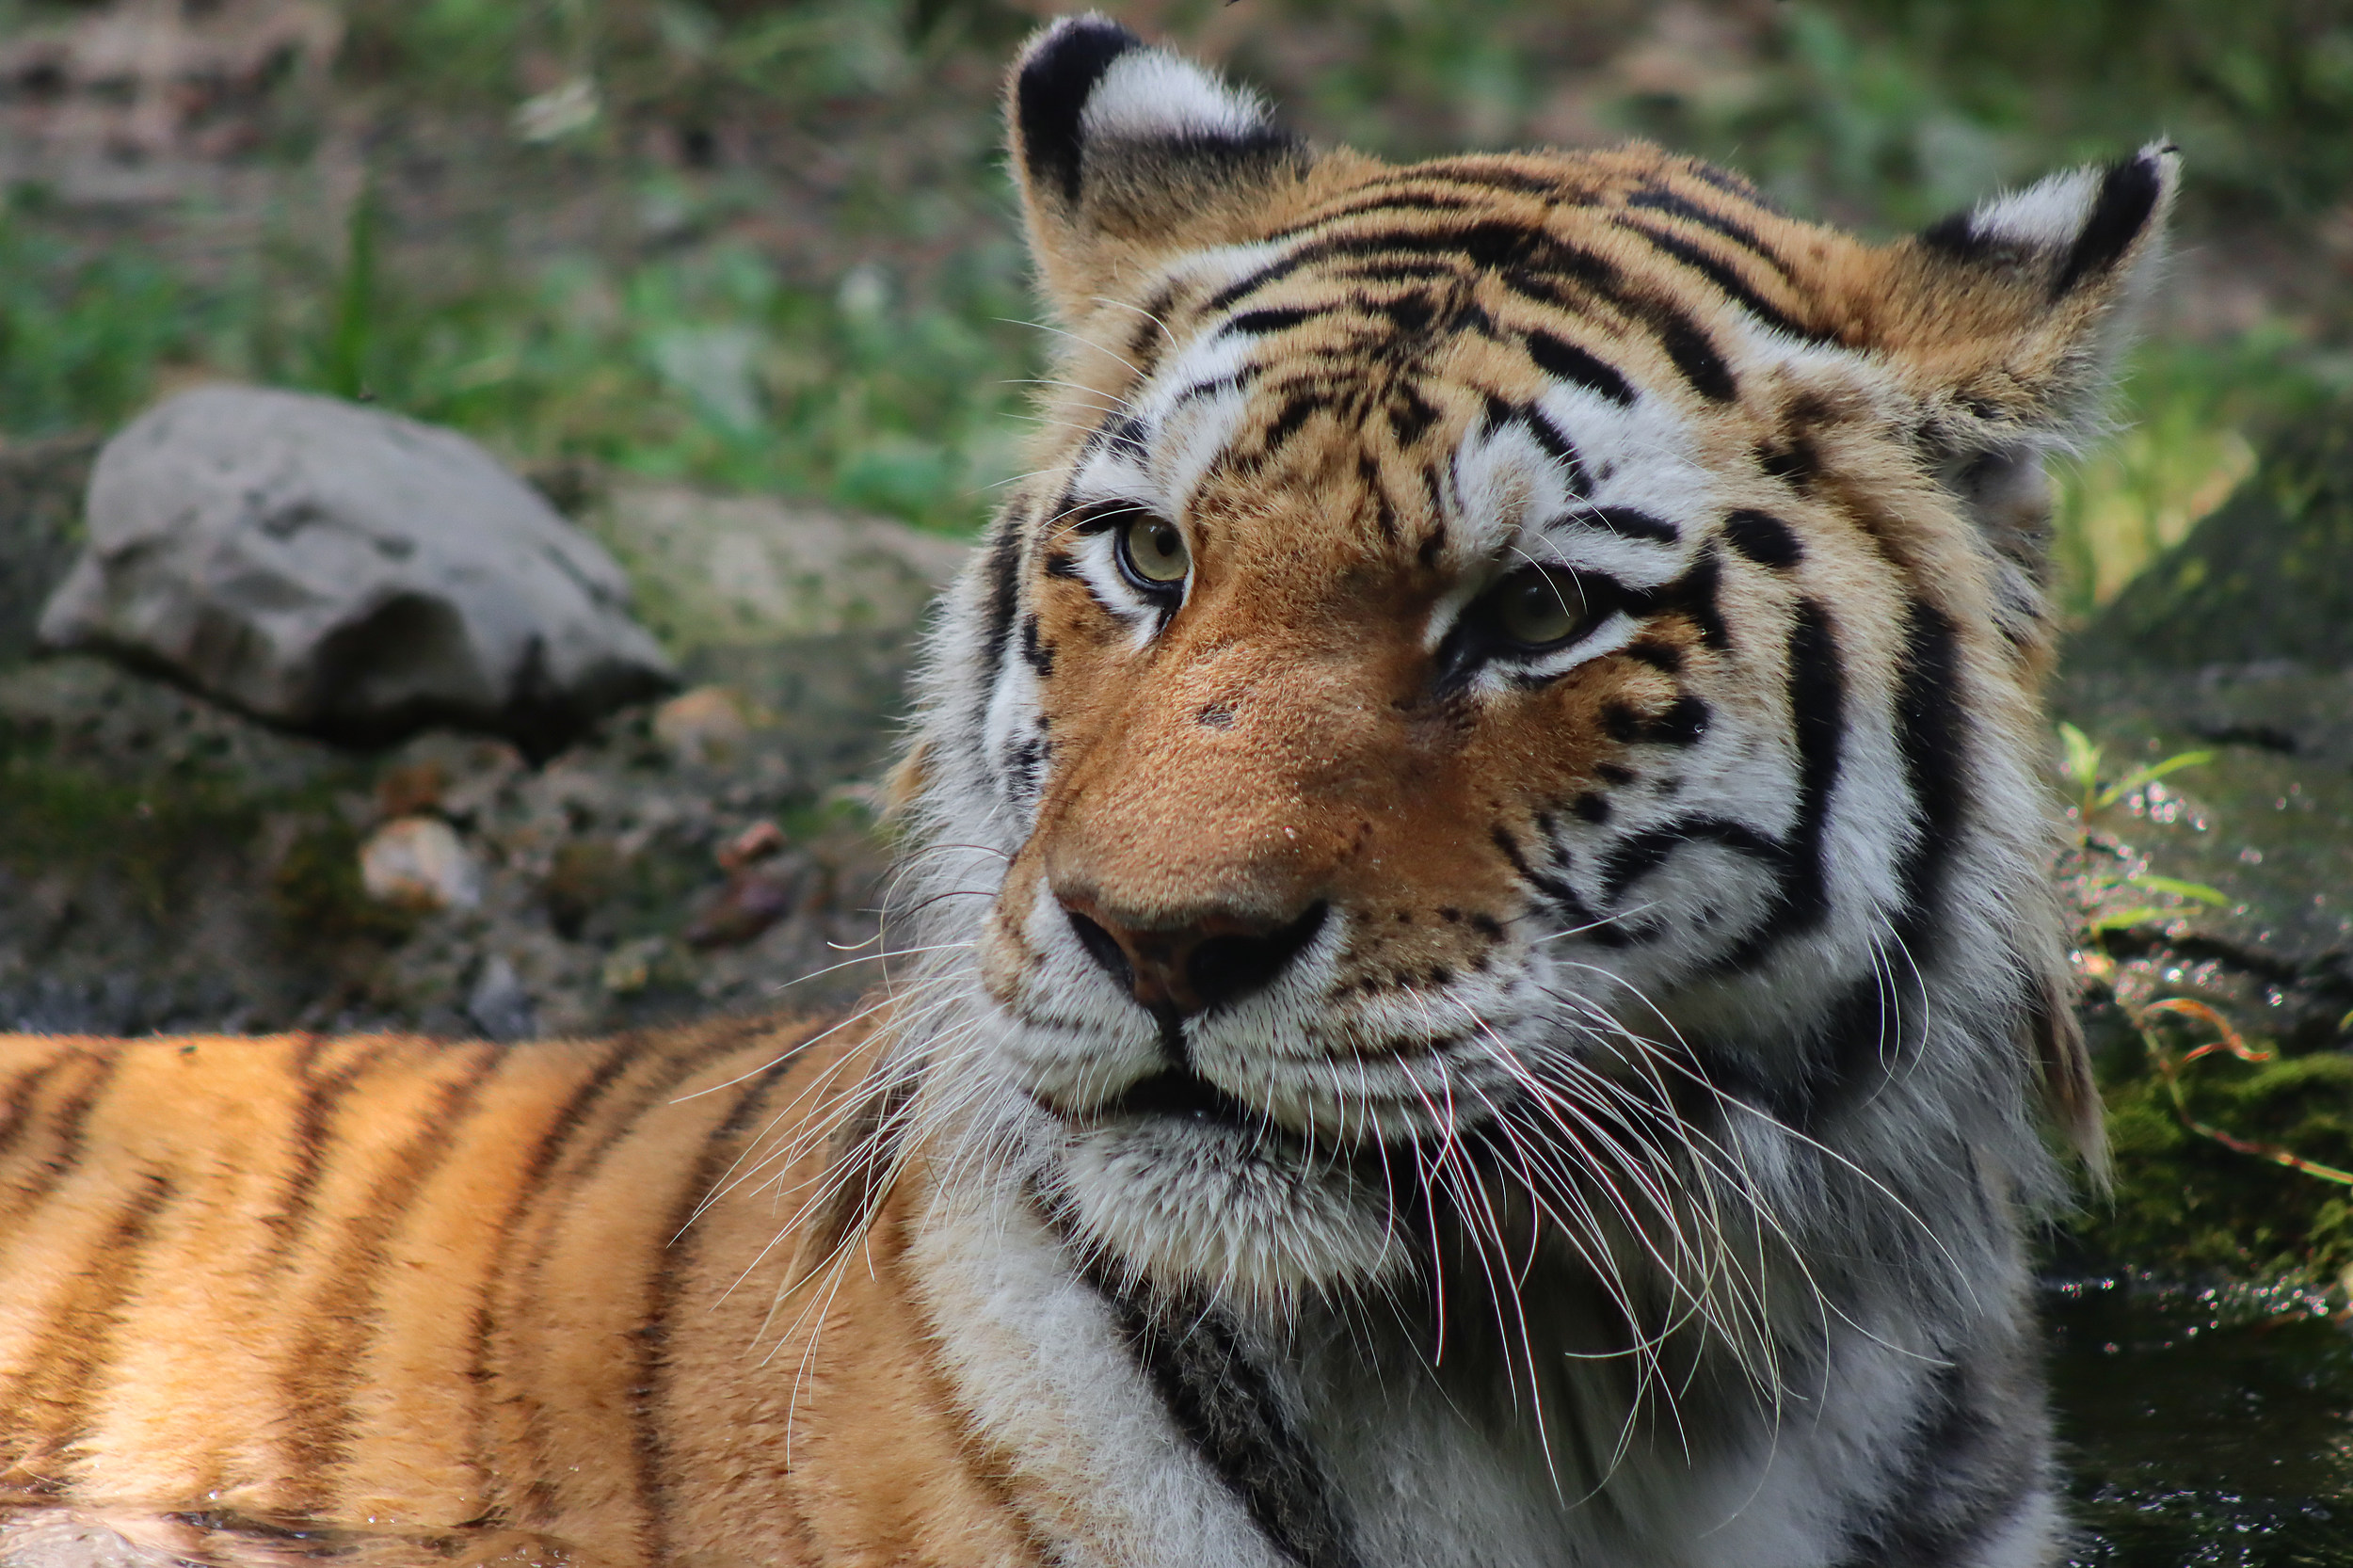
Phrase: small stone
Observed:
(420, 863)
(756, 843)
(704, 728)
(498, 1005)
(756, 897)
(348, 573)
(634, 966)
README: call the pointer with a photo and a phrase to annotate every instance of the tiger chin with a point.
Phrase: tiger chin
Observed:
(1478, 981)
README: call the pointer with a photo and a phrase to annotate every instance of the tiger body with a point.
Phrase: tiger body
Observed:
(1480, 984)
(432, 1302)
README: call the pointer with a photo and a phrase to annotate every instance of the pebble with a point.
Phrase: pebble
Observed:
(420, 863)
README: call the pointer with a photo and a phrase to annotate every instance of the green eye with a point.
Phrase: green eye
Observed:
(1536, 608)
(1154, 553)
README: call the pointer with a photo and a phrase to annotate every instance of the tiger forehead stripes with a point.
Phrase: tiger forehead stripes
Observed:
(1473, 982)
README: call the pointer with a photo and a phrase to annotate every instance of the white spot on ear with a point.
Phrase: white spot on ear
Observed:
(1149, 94)
(2048, 214)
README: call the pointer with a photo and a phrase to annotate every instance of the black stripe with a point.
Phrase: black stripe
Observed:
(1409, 414)
(1931, 734)
(1971, 1465)
(1681, 722)
(1638, 854)
(657, 1089)
(327, 1357)
(1124, 434)
(1035, 649)
(53, 1397)
(1693, 353)
(482, 1372)
(69, 1128)
(1566, 898)
(1272, 319)
(1229, 1413)
(1692, 596)
(1763, 539)
(1383, 511)
(1736, 287)
(1003, 591)
(1382, 201)
(1563, 360)
(1859, 1042)
(1234, 382)
(1658, 199)
(1300, 404)
(1490, 245)
(22, 1093)
(1151, 336)
(1547, 437)
(1629, 522)
(1818, 721)
(652, 1337)
(1481, 174)
(320, 1099)
(1530, 261)
(1731, 183)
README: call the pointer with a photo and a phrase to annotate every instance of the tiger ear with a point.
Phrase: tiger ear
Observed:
(1124, 153)
(2004, 323)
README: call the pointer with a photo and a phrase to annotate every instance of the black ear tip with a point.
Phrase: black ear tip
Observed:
(2129, 193)
(1057, 73)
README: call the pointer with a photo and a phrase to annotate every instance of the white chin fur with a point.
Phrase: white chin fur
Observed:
(1191, 1207)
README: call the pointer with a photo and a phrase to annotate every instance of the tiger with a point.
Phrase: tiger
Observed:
(1472, 978)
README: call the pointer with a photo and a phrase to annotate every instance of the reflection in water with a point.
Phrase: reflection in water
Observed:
(2200, 1426)
(32, 1535)
(2204, 1427)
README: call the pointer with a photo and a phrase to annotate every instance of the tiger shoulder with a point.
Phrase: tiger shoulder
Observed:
(1481, 982)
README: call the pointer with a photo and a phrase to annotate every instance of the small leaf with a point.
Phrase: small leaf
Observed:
(2197, 890)
(2151, 772)
(2083, 758)
(2117, 919)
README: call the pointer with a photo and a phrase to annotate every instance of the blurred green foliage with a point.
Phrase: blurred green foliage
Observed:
(692, 350)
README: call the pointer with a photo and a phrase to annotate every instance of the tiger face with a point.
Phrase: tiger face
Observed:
(1509, 702)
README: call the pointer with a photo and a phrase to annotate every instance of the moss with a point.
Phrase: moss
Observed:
(317, 895)
(58, 815)
(2186, 1204)
(2268, 576)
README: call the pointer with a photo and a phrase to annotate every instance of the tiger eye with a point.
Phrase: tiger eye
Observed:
(1535, 608)
(1155, 552)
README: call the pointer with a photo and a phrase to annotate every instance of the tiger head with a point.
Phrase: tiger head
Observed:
(1508, 704)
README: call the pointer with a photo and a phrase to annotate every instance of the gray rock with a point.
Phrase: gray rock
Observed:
(498, 1004)
(2239, 643)
(2268, 575)
(808, 613)
(41, 509)
(348, 573)
(752, 570)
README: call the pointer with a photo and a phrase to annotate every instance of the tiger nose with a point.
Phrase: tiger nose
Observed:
(1178, 970)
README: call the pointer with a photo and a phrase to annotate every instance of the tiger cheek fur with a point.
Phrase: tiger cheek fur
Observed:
(1473, 981)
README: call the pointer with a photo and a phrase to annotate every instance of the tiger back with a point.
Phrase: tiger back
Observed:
(1475, 976)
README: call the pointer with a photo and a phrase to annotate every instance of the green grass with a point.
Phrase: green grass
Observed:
(702, 359)
(706, 364)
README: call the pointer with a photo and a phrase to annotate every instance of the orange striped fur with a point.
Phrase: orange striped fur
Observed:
(447, 1298)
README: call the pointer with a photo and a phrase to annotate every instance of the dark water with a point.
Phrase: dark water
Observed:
(2204, 1427)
